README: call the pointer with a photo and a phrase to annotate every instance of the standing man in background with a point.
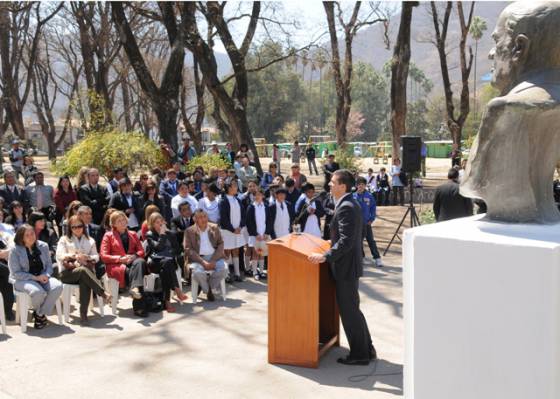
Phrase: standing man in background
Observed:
(345, 259)
(310, 155)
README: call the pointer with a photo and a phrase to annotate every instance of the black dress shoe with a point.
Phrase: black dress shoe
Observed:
(373, 354)
(237, 279)
(210, 296)
(353, 362)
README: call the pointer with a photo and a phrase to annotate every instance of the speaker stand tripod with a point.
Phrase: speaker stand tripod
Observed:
(414, 220)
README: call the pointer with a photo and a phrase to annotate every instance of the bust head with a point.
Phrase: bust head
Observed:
(526, 37)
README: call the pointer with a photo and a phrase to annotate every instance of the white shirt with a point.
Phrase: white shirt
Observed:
(260, 218)
(282, 220)
(132, 219)
(211, 208)
(395, 178)
(178, 200)
(206, 247)
(371, 182)
(73, 246)
(234, 211)
(312, 223)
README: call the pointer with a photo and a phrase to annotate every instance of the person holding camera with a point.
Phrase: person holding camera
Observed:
(77, 256)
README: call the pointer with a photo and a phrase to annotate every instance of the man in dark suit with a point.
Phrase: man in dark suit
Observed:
(10, 191)
(345, 259)
(95, 196)
(182, 222)
(125, 200)
(168, 189)
(448, 203)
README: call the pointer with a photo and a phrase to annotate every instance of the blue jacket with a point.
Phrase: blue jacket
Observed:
(367, 202)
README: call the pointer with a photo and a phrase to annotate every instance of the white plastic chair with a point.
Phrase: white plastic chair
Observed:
(194, 286)
(2, 315)
(23, 303)
(112, 286)
(67, 291)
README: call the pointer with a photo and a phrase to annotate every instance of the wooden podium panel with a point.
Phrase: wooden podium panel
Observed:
(303, 320)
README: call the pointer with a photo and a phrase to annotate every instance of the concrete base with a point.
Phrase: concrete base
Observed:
(482, 309)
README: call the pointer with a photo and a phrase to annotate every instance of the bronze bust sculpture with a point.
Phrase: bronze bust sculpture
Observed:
(512, 162)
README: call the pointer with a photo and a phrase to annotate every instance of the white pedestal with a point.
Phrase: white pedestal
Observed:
(482, 311)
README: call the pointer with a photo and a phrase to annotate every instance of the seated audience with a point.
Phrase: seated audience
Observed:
(204, 248)
(77, 256)
(163, 254)
(40, 196)
(10, 191)
(16, 216)
(123, 256)
(183, 196)
(93, 231)
(44, 233)
(31, 269)
(182, 222)
(94, 195)
(63, 196)
(126, 201)
(6, 288)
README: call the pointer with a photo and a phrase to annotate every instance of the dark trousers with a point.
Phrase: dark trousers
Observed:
(398, 190)
(383, 196)
(312, 164)
(368, 235)
(135, 273)
(353, 320)
(100, 270)
(87, 280)
(166, 268)
(6, 289)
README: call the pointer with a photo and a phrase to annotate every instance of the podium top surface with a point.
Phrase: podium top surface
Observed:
(303, 244)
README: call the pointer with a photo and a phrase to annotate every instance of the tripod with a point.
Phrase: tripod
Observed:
(414, 220)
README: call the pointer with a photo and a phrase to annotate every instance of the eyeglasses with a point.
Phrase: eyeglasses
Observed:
(78, 226)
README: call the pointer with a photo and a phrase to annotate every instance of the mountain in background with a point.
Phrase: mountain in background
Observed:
(370, 48)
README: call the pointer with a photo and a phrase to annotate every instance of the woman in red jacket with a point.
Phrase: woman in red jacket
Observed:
(123, 256)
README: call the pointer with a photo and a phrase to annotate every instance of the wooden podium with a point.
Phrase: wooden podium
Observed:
(303, 320)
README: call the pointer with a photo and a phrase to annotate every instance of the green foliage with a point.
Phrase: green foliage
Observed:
(346, 159)
(133, 152)
(208, 161)
(275, 93)
(370, 98)
(427, 216)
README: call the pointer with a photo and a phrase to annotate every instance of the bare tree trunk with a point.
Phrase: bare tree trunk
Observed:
(165, 98)
(455, 122)
(399, 74)
(342, 74)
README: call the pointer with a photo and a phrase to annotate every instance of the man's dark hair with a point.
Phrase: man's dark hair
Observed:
(361, 180)
(307, 187)
(453, 174)
(290, 182)
(183, 204)
(345, 177)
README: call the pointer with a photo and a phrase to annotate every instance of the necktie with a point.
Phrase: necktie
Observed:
(282, 206)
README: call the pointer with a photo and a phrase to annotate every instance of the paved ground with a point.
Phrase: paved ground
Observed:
(209, 350)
